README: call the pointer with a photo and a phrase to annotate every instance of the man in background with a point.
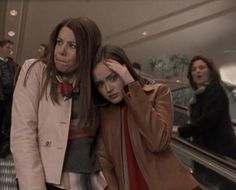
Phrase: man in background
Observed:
(43, 51)
(7, 75)
(149, 78)
(136, 66)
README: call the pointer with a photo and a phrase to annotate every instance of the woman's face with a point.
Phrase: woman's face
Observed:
(108, 83)
(41, 51)
(200, 73)
(65, 51)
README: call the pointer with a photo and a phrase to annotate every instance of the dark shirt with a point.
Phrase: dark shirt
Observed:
(7, 75)
(80, 154)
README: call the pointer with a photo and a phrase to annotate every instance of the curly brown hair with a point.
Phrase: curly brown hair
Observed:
(214, 73)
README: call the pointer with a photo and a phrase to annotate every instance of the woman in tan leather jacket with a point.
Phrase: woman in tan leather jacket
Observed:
(136, 124)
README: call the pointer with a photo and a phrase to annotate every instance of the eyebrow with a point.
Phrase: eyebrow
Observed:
(107, 77)
(64, 40)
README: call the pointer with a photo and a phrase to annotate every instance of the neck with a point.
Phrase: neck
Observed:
(204, 84)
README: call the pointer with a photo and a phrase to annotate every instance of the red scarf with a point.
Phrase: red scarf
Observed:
(66, 88)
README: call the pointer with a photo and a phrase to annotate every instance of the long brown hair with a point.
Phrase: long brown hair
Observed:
(88, 37)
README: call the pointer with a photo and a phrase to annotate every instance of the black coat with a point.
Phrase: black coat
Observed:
(211, 125)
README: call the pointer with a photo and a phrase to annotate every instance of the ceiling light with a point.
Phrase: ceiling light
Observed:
(144, 33)
(13, 12)
(229, 51)
(11, 33)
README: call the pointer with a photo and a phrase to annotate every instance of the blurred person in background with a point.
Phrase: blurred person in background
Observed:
(138, 69)
(210, 124)
(43, 51)
(7, 75)
(137, 66)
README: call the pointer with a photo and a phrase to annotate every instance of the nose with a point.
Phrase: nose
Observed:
(198, 70)
(108, 87)
(62, 49)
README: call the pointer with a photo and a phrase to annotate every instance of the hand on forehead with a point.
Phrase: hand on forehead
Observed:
(114, 65)
(121, 70)
(111, 62)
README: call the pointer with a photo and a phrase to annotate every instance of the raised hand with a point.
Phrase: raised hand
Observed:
(121, 70)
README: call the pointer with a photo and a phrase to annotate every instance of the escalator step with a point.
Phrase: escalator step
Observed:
(7, 174)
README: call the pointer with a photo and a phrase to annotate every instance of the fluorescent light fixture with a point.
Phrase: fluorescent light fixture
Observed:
(144, 33)
(11, 33)
(13, 12)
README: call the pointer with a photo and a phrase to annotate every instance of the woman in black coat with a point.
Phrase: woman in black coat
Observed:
(210, 123)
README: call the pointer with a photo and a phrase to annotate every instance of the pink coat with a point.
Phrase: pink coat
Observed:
(39, 131)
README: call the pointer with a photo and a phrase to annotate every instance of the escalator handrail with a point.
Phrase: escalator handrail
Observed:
(184, 108)
(208, 162)
(229, 164)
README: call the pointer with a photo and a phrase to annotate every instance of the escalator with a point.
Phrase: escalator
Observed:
(7, 174)
(213, 171)
(222, 169)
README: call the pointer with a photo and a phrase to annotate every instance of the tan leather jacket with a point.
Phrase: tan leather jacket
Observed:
(150, 117)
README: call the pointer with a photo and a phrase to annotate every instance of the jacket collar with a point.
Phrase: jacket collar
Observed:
(148, 88)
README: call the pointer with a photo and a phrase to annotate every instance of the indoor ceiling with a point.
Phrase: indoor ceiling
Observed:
(188, 27)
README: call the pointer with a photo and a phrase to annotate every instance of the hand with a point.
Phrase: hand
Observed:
(121, 70)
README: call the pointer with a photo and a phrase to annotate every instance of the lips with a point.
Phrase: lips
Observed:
(113, 96)
(61, 61)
